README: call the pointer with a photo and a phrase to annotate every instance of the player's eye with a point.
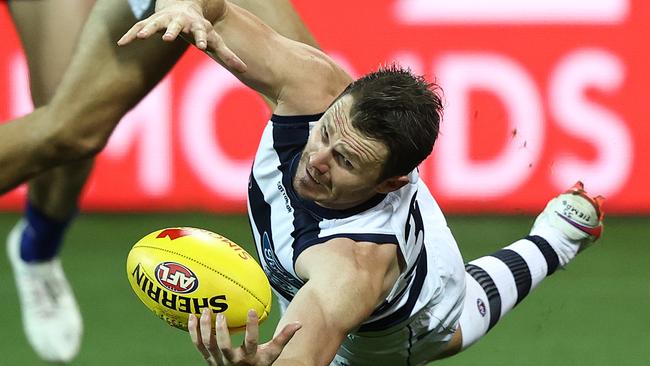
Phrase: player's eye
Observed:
(347, 164)
(324, 134)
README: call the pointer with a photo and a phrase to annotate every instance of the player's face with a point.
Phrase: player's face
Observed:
(339, 167)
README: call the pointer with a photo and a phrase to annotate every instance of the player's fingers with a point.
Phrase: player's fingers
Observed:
(200, 32)
(173, 29)
(252, 334)
(131, 34)
(194, 330)
(153, 25)
(207, 335)
(223, 338)
(279, 341)
(200, 39)
(208, 340)
(223, 53)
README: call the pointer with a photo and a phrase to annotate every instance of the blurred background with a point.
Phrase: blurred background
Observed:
(538, 94)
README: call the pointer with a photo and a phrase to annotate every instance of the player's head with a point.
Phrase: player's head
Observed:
(380, 128)
(401, 110)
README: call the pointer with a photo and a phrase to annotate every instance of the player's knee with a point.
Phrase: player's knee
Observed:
(87, 145)
(74, 144)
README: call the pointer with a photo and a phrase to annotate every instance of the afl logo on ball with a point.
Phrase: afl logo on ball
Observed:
(176, 277)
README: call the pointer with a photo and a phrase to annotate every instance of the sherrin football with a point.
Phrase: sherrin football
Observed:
(178, 271)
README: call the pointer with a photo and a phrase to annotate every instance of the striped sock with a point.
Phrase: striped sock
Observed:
(498, 282)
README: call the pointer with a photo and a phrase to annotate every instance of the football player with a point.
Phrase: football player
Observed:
(361, 259)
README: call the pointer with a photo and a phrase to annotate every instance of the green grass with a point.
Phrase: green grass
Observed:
(594, 313)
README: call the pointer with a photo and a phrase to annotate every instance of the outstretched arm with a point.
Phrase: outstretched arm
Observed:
(298, 77)
(345, 282)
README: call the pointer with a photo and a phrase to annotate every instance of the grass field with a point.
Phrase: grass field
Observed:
(594, 313)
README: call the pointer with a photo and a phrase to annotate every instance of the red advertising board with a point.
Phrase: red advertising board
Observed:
(538, 94)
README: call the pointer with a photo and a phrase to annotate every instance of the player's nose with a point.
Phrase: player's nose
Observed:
(319, 160)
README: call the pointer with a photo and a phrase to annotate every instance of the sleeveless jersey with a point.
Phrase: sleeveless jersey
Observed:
(284, 225)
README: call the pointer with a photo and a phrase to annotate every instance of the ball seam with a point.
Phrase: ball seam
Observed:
(206, 266)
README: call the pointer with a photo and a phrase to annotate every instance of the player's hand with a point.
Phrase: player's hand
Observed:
(216, 348)
(186, 17)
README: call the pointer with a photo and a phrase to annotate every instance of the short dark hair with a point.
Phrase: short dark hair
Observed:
(400, 109)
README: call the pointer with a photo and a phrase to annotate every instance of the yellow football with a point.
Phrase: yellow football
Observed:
(178, 271)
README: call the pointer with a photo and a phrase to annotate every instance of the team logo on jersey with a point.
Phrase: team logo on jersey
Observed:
(481, 307)
(176, 277)
(281, 280)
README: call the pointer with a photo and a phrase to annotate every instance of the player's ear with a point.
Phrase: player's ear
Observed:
(392, 184)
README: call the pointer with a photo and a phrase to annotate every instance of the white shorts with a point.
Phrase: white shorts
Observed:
(416, 341)
(412, 343)
(423, 336)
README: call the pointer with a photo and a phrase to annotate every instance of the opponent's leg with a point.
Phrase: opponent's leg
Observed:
(282, 17)
(125, 75)
(495, 284)
(102, 84)
(54, 328)
(55, 193)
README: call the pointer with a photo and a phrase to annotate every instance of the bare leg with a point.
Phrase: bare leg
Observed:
(115, 79)
(54, 192)
(88, 87)
(281, 16)
(51, 317)
(101, 85)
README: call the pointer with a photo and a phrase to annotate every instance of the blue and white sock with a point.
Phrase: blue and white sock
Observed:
(495, 284)
(42, 237)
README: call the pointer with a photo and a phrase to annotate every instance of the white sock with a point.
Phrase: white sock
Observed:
(566, 249)
(497, 283)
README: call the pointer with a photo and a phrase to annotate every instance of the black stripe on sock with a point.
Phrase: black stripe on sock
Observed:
(552, 260)
(486, 282)
(519, 269)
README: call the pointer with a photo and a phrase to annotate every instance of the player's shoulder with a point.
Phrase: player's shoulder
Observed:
(345, 254)
(314, 86)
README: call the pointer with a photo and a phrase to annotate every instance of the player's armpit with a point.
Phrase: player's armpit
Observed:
(346, 281)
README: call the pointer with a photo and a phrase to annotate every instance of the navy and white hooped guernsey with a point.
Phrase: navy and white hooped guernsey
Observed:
(284, 225)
